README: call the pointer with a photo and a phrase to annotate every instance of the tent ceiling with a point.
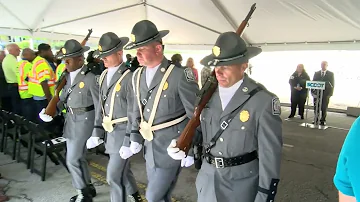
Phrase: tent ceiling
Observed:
(195, 24)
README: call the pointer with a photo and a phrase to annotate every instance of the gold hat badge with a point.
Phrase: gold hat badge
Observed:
(63, 50)
(216, 50)
(132, 38)
(100, 48)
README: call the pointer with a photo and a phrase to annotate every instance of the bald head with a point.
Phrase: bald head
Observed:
(28, 54)
(2, 55)
(324, 65)
(13, 49)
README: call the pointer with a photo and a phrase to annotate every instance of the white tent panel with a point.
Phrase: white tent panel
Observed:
(280, 21)
(8, 19)
(28, 13)
(201, 12)
(181, 32)
(121, 22)
(67, 10)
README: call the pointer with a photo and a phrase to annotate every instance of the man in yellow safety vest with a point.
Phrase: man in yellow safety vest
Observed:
(25, 67)
(42, 78)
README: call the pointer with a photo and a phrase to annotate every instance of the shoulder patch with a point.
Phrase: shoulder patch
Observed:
(189, 75)
(276, 107)
(97, 78)
(291, 77)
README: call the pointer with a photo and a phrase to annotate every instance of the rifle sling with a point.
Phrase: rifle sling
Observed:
(225, 123)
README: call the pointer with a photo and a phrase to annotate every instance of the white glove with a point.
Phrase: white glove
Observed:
(187, 162)
(93, 142)
(135, 147)
(175, 152)
(125, 152)
(45, 117)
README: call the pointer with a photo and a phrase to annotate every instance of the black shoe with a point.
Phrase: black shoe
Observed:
(91, 190)
(302, 117)
(135, 197)
(291, 116)
(322, 123)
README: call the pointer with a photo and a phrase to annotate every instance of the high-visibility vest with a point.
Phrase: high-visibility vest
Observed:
(59, 70)
(21, 74)
(41, 71)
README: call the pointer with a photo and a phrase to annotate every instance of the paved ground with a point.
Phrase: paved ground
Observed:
(307, 170)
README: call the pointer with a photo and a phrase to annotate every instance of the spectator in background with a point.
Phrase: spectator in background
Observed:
(347, 175)
(128, 60)
(190, 63)
(299, 91)
(94, 64)
(327, 77)
(10, 67)
(134, 64)
(176, 59)
(205, 73)
(4, 97)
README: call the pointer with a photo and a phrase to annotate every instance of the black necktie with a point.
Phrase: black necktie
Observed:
(322, 74)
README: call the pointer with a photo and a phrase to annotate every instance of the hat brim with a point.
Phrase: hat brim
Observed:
(101, 54)
(79, 53)
(251, 52)
(135, 45)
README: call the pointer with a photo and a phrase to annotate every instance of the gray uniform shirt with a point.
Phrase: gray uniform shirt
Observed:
(178, 99)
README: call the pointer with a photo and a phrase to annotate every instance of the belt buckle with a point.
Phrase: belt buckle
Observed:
(219, 162)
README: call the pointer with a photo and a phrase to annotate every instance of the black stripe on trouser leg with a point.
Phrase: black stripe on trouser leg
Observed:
(172, 186)
(122, 181)
(81, 168)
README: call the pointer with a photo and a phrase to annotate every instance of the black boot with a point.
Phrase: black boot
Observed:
(135, 197)
(84, 195)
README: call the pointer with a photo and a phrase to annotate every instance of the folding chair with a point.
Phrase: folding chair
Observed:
(42, 141)
(9, 116)
(24, 140)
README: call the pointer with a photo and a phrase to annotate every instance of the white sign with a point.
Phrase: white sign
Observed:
(320, 85)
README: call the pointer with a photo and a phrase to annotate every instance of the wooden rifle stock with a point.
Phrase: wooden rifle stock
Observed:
(51, 108)
(185, 140)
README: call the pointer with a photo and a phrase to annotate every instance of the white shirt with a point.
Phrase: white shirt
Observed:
(73, 75)
(150, 73)
(227, 93)
(110, 73)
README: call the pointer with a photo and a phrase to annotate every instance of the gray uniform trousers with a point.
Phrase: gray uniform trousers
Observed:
(161, 183)
(120, 178)
(77, 164)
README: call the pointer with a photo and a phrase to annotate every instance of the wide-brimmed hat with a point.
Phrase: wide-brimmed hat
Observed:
(72, 48)
(143, 33)
(230, 49)
(109, 43)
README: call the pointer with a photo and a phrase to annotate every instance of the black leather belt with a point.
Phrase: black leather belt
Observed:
(80, 109)
(220, 162)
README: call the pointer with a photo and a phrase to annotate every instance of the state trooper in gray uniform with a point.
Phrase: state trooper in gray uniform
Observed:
(80, 97)
(116, 102)
(242, 131)
(164, 101)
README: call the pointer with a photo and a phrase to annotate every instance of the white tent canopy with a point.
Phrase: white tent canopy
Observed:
(193, 24)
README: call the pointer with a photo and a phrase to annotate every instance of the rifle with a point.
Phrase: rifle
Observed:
(51, 107)
(185, 140)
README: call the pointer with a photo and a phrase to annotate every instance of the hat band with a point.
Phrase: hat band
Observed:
(71, 54)
(216, 61)
(108, 51)
(145, 41)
